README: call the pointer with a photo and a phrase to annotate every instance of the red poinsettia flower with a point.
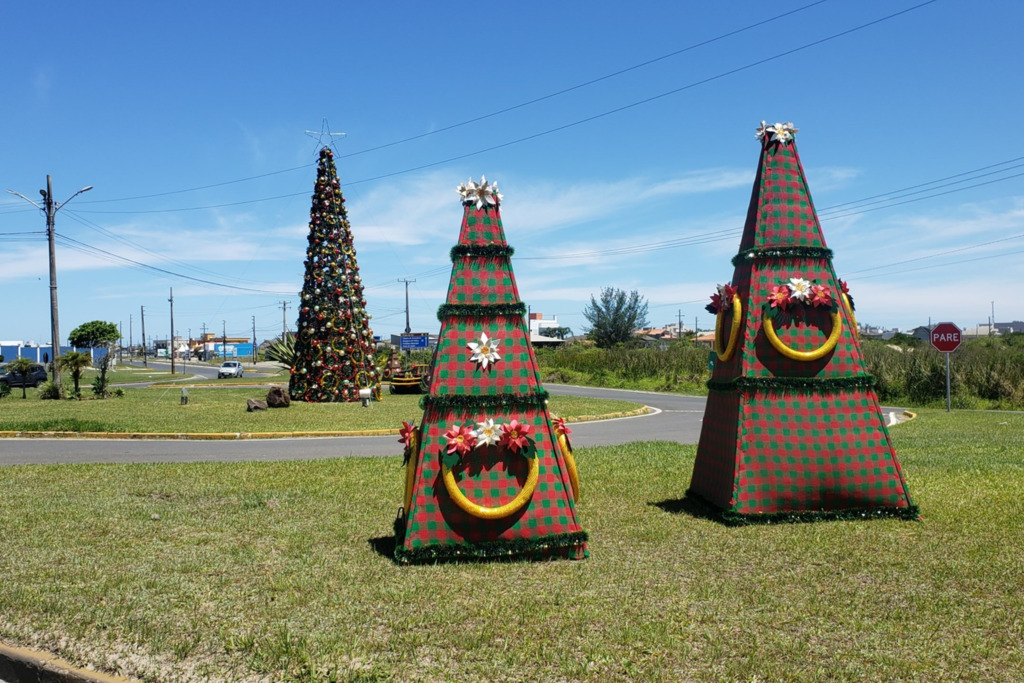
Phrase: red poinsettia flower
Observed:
(560, 428)
(460, 439)
(514, 435)
(821, 295)
(716, 304)
(780, 297)
(405, 433)
(846, 289)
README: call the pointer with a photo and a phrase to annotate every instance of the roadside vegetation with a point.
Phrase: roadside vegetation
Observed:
(281, 571)
(985, 373)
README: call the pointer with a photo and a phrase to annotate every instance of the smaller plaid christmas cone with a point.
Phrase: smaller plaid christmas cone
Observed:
(489, 474)
(792, 427)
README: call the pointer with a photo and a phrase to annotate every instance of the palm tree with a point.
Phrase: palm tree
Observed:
(21, 366)
(75, 362)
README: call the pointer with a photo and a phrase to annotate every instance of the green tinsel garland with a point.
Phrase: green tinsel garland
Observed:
(481, 250)
(733, 518)
(515, 549)
(480, 310)
(759, 253)
(792, 383)
(490, 402)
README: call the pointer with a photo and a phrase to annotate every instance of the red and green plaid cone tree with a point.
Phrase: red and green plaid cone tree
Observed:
(486, 474)
(334, 344)
(792, 428)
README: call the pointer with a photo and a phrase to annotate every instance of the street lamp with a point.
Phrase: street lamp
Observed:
(51, 208)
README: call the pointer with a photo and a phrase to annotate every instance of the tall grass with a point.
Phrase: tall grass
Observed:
(984, 373)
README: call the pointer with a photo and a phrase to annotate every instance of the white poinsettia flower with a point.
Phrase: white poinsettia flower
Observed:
(761, 130)
(484, 350)
(487, 433)
(799, 288)
(783, 132)
(480, 194)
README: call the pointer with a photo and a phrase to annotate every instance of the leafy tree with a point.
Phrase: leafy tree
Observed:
(74, 362)
(21, 367)
(94, 334)
(556, 332)
(615, 316)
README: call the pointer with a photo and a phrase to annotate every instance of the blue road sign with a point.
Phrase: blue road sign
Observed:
(414, 341)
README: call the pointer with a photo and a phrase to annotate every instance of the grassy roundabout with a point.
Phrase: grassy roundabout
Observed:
(280, 571)
(218, 407)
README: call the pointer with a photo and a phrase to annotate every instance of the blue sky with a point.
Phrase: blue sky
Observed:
(190, 119)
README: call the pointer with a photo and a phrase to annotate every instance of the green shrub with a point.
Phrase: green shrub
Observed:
(49, 390)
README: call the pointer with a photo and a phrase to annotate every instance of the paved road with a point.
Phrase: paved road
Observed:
(677, 419)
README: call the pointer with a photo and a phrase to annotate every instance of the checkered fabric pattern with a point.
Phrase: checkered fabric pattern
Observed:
(781, 212)
(454, 372)
(482, 226)
(766, 450)
(493, 475)
(482, 280)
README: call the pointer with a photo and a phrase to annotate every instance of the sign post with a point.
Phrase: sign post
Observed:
(946, 337)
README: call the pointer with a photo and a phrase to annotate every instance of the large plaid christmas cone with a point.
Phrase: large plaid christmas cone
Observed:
(488, 473)
(793, 427)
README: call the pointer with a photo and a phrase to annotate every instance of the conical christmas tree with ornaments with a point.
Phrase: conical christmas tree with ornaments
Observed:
(792, 429)
(489, 473)
(334, 344)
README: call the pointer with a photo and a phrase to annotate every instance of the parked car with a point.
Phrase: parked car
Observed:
(230, 368)
(35, 376)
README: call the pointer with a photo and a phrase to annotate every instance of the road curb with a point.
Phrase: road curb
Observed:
(242, 436)
(22, 665)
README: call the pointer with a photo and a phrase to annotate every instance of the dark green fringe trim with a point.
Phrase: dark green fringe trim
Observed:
(491, 401)
(792, 383)
(760, 253)
(733, 518)
(517, 549)
(480, 310)
(481, 250)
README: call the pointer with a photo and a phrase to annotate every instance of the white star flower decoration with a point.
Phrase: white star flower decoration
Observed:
(780, 132)
(482, 194)
(487, 433)
(484, 350)
(799, 288)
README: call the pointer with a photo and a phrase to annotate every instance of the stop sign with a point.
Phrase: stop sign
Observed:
(946, 337)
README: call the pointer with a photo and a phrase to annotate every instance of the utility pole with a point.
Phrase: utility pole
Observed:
(145, 362)
(131, 344)
(679, 325)
(203, 356)
(408, 329)
(120, 341)
(51, 207)
(170, 345)
(224, 343)
(254, 340)
(284, 319)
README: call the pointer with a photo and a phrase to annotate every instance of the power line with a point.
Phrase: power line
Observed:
(585, 84)
(566, 126)
(72, 243)
(483, 117)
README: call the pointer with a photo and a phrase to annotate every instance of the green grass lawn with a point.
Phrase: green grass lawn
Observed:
(221, 408)
(279, 571)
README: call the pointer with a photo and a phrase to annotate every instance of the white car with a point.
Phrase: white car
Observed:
(230, 368)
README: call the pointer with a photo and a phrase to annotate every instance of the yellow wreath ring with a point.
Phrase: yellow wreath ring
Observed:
(410, 469)
(853, 318)
(570, 465)
(509, 508)
(734, 329)
(830, 343)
